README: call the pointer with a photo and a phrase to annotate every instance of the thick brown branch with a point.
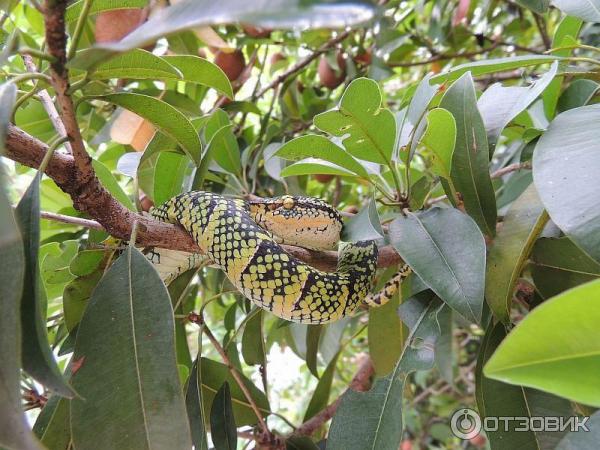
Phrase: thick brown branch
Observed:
(361, 382)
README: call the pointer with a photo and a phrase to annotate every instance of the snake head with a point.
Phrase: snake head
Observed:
(295, 220)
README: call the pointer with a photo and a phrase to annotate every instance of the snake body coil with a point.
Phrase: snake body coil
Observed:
(242, 238)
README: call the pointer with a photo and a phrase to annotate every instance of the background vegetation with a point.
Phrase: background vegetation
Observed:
(462, 134)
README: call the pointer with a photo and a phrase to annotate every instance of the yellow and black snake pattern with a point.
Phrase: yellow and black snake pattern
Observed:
(243, 239)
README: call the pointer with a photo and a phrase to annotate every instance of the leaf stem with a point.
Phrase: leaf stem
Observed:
(87, 4)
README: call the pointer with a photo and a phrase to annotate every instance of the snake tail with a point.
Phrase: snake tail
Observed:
(261, 270)
(389, 289)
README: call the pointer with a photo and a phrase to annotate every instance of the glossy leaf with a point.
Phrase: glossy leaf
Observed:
(558, 264)
(219, 134)
(566, 161)
(52, 426)
(195, 408)
(578, 93)
(364, 226)
(131, 309)
(373, 419)
(75, 8)
(110, 183)
(315, 146)
(222, 423)
(539, 6)
(561, 337)
(164, 116)
(510, 250)
(369, 127)
(136, 64)
(313, 337)
(452, 263)
(579, 440)
(198, 70)
(588, 10)
(15, 432)
(499, 105)
(37, 356)
(440, 140)
(470, 160)
(311, 166)
(253, 341)
(320, 396)
(8, 95)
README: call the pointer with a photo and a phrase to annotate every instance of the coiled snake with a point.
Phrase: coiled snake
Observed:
(243, 239)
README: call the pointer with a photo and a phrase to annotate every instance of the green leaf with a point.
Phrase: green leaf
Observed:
(135, 359)
(313, 337)
(558, 264)
(497, 399)
(486, 66)
(37, 356)
(219, 133)
(320, 397)
(386, 333)
(587, 10)
(420, 100)
(15, 432)
(253, 340)
(560, 337)
(315, 146)
(539, 6)
(195, 408)
(8, 95)
(213, 375)
(365, 225)
(279, 14)
(499, 105)
(447, 251)
(300, 443)
(111, 184)
(169, 174)
(137, 64)
(86, 262)
(579, 93)
(371, 128)
(222, 423)
(311, 166)
(510, 250)
(373, 419)
(75, 8)
(165, 117)
(470, 160)
(53, 426)
(75, 298)
(567, 161)
(201, 71)
(440, 140)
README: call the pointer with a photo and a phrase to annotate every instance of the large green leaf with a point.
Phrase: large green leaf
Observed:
(363, 226)
(165, 117)
(498, 399)
(588, 10)
(195, 409)
(578, 440)
(556, 348)
(320, 396)
(509, 252)
(128, 380)
(470, 160)
(111, 184)
(253, 340)
(486, 66)
(579, 93)
(137, 64)
(499, 105)
(37, 356)
(566, 163)
(199, 70)
(539, 6)
(446, 250)
(369, 127)
(222, 423)
(14, 432)
(53, 426)
(225, 148)
(315, 146)
(191, 14)
(373, 419)
(558, 264)
(440, 140)
(311, 166)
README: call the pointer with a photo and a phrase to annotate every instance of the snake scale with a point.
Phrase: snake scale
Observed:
(243, 239)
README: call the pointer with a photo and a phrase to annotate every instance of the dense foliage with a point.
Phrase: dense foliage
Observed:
(461, 135)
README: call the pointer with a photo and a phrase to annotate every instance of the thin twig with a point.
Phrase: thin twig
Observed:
(511, 168)
(91, 224)
(48, 104)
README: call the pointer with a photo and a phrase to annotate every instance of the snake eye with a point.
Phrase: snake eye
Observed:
(288, 203)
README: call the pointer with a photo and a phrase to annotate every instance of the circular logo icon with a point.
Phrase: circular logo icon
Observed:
(465, 423)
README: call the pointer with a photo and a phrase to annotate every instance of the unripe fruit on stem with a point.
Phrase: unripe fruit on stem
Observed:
(323, 178)
(232, 64)
(364, 57)
(114, 25)
(329, 77)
